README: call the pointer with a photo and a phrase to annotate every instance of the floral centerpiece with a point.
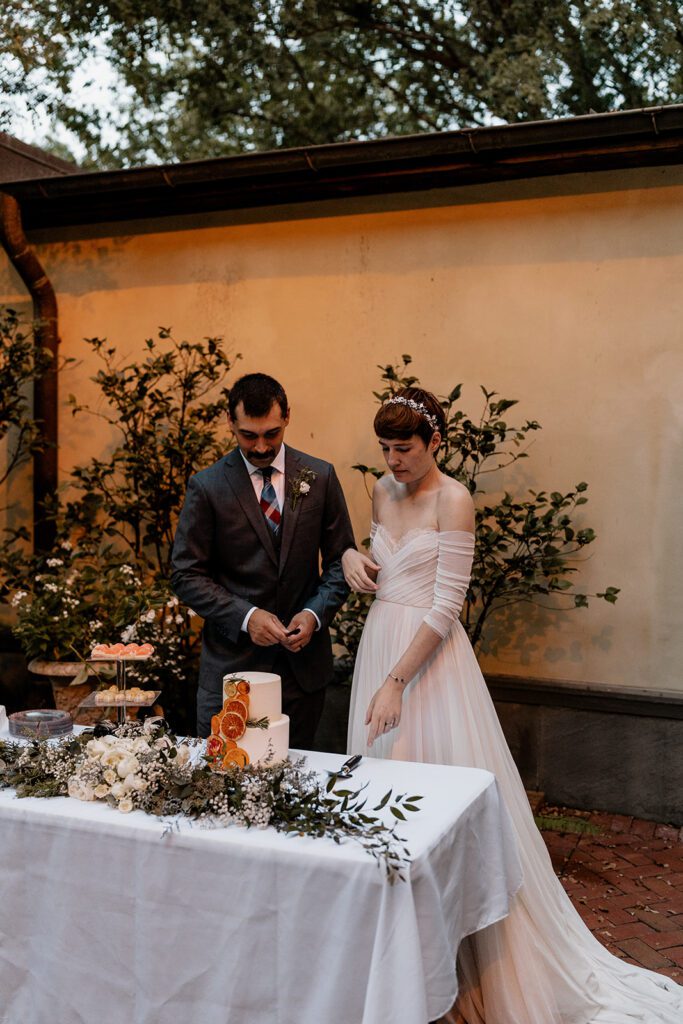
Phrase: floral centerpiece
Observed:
(146, 767)
(82, 594)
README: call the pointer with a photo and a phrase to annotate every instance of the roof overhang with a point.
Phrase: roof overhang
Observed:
(595, 142)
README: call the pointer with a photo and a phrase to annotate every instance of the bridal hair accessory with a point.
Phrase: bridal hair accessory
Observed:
(418, 407)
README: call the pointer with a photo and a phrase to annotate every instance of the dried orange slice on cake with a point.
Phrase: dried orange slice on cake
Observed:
(243, 686)
(229, 690)
(237, 757)
(232, 725)
(240, 707)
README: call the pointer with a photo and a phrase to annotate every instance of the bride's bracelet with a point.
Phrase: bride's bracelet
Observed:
(397, 679)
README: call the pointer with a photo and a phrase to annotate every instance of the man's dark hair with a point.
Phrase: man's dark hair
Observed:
(258, 393)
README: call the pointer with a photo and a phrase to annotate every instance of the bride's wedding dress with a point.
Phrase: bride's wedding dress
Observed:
(540, 965)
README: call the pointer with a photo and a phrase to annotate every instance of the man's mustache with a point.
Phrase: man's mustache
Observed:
(262, 456)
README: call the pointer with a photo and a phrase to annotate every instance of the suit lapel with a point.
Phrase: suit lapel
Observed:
(289, 515)
(237, 475)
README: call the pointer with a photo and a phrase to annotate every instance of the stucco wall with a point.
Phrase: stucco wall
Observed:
(565, 294)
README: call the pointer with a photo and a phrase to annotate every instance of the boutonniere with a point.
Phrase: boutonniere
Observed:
(301, 485)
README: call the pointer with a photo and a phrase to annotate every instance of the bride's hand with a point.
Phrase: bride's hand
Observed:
(384, 710)
(357, 568)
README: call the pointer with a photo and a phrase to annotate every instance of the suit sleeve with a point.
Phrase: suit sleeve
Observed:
(336, 537)
(191, 576)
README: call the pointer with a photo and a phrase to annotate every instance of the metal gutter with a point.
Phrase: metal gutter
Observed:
(45, 388)
(625, 139)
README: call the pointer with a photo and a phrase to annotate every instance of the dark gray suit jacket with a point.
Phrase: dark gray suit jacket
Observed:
(225, 561)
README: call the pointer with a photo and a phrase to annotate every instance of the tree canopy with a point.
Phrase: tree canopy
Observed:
(197, 80)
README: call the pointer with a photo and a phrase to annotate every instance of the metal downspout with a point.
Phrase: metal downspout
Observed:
(45, 389)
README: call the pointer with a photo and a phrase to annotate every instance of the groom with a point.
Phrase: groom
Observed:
(251, 537)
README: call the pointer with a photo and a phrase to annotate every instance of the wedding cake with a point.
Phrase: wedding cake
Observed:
(250, 728)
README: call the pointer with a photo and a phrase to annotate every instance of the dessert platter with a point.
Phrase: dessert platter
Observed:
(250, 728)
(119, 695)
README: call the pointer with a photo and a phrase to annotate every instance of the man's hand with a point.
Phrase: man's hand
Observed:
(265, 629)
(305, 623)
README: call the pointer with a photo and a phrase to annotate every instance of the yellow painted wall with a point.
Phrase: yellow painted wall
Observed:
(570, 302)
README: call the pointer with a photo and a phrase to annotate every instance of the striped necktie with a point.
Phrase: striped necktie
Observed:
(269, 505)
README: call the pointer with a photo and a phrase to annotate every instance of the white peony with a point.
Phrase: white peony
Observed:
(128, 765)
(119, 790)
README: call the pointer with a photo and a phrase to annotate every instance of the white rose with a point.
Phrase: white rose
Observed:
(126, 805)
(74, 787)
(110, 776)
(128, 765)
(304, 488)
(141, 746)
(134, 782)
(119, 790)
(95, 748)
(111, 758)
(101, 791)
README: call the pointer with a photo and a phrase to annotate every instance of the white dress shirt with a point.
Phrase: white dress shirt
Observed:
(278, 482)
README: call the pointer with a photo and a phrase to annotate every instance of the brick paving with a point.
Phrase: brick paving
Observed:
(626, 881)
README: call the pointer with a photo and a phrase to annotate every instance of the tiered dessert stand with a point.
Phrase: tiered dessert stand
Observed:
(121, 703)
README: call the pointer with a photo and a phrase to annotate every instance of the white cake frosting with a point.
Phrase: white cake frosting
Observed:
(265, 701)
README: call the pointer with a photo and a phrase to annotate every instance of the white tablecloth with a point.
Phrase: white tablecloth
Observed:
(105, 920)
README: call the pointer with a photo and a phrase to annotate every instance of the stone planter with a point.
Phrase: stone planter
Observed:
(67, 697)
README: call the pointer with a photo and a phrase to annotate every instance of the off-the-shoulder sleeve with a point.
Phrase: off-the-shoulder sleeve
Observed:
(453, 570)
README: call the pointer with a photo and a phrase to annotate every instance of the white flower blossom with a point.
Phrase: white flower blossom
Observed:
(126, 805)
(111, 758)
(54, 562)
(150, 615)
(95, 748)
(304, 488)
(179, 620)
(101, 791)
(18, 598)
(128, 764)
(110, 776)
(172, 602)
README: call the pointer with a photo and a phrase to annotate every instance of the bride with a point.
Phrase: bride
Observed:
(418, 695)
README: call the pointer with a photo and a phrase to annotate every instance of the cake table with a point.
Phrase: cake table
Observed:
(104, 917)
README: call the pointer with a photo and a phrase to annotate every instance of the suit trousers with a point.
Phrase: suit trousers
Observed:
(304, 709)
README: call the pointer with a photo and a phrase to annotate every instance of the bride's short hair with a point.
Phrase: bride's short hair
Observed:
(410, 411)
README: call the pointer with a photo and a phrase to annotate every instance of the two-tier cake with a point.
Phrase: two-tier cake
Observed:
(250, 728)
